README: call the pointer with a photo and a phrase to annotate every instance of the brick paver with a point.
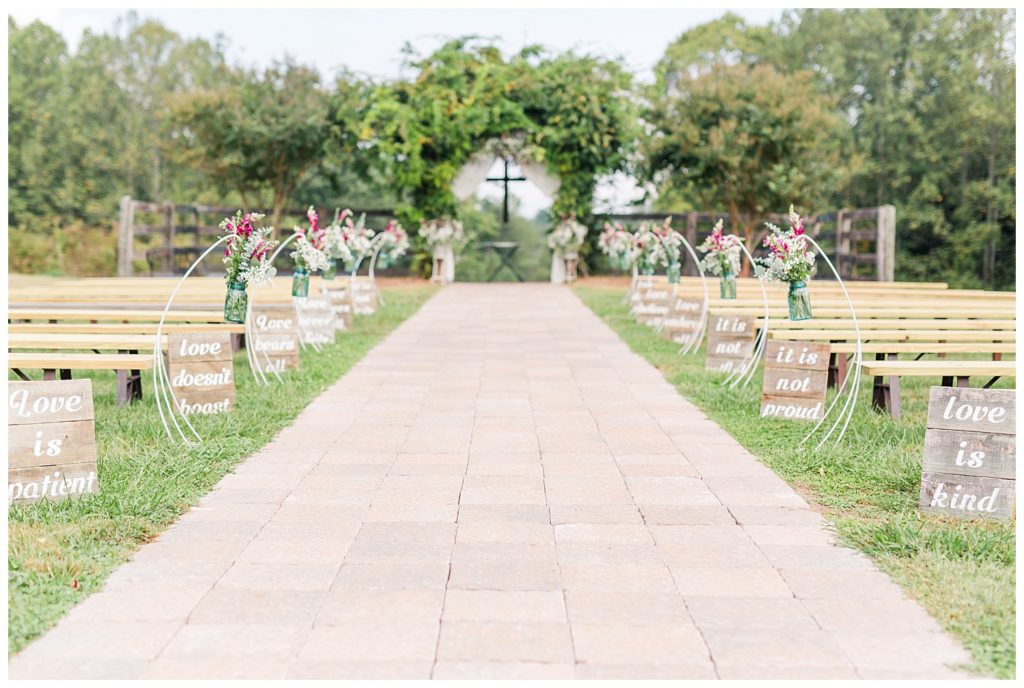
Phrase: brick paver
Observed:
(499, 489)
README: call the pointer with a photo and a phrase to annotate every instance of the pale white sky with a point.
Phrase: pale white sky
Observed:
(369, 41)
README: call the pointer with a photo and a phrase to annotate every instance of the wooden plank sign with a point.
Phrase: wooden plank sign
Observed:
(51, 440)
(683, 319)
(795, 379)
(316, 321)
(200, 367)
(653, 305)
(364, 297)
(730, 342)
(970, 453)
(276, 335)
(341, 304)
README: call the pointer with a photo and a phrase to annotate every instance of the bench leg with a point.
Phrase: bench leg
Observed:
(237, 341)
(947, 380)
(894, 390)
(49, 374)
(23, 376)
(997, 357)
(880, 394)
(833, 369)
(963, 380)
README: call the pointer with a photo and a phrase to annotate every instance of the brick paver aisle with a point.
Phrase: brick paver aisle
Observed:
(499, 489)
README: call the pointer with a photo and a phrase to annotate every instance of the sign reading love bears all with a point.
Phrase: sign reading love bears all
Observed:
(970, 453)
(730, 342)
(795, 379)
(275, 332)
(51, 440)
(201, 370)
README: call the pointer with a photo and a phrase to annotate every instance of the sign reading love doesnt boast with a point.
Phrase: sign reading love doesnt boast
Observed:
(201, 369)
(970, 453)
(51, 440)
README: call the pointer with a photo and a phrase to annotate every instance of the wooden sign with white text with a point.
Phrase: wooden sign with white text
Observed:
(51, 440)
(970, 453)
(276, 335)
(341, 304)
(364, 297)
(682, 322)
(201, 370)
(730, 342)
(316, 321)
(795, 378)
(653, 305)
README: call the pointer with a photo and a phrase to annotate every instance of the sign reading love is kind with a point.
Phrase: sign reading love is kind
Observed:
(970, 453)
(341, 304)
(795, 378)
(51, 440)
(201, 369)
(730, 342)
(316, 321)
(276, 337)
(682, 322)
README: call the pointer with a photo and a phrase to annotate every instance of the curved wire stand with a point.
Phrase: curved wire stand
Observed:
(163, 392)
(693, 342)
(850, 403)
(258, 371)
(742, 374)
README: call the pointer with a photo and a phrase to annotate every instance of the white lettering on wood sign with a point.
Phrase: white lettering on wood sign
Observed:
(730, 342)
(341, 303)
(795, 380)
(275, 330)
(317, 321)
(682, 322)
(201, 369)
(51, 440)
(970, 453)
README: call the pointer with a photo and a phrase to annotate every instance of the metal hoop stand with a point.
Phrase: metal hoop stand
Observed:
(743, 374)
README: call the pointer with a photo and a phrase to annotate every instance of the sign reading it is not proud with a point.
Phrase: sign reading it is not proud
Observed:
(795, 378)
(51, 440)
(970, 453)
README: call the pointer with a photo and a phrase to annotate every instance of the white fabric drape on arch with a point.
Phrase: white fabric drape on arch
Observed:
(472, 175)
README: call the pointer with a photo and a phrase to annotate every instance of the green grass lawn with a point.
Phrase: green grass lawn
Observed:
(963, 573)
(60, 552)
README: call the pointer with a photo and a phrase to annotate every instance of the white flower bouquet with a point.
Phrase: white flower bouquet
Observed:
(722, 252)
(567, 236)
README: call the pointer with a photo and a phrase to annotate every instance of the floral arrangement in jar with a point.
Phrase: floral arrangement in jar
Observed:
(567, 237)
(335, 246)
(246, 261)
(358, 240)
(648, 251)
(309, 255)
(442, 234)
(394, 242)
(616, 243)
(722, 258)
(790, 261)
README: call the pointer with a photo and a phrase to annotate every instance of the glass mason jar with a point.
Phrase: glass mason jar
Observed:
(383, 260)
(673, 273)
(799, 301)
(300, 283)
(727, 285)
(236, 303)
(331, 270)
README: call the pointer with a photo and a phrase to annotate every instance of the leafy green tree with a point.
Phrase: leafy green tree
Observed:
(750, 140)
(257, 135)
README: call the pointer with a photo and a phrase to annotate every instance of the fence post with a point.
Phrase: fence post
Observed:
(125, 238)
(886, 243)
(691, 236)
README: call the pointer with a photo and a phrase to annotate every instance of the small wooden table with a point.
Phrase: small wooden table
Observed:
(505, 251)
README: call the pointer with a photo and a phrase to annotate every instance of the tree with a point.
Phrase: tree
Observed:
(257, 135)
(749, 140)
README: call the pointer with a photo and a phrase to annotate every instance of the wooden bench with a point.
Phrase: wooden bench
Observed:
(129, 368)
(114, 315)
(124, 343)
(126, 328)
(885, 395)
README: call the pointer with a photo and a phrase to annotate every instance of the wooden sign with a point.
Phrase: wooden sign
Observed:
(276, 334)
(51, 440)
(730, 342)
(653, 305)
(316, 321)
(795, 379)
(682, 322)
(970, 453)
(341, 304)
(200, 367)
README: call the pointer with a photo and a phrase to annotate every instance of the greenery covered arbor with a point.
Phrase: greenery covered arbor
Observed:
(572, 112)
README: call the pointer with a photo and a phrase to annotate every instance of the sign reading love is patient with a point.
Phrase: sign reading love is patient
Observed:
(276, 337)
(795, 378)
(51, 440)
(201, 370)
(970, 453)
(730, 342)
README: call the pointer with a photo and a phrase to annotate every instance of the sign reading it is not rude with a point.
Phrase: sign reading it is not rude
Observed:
(795, 379)
(201, 369)
(730, 342)
(51, 440)
(970, 453)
